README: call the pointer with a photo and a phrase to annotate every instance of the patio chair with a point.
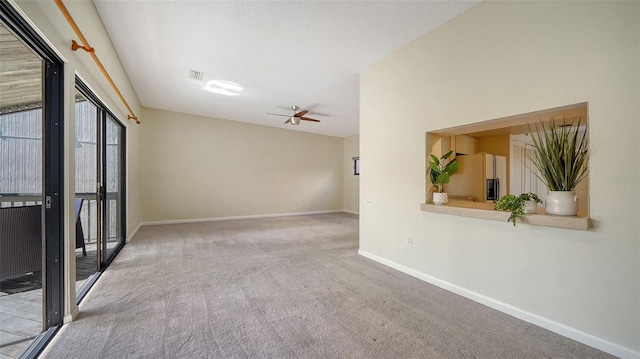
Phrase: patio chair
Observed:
(20, 241)
(79, 232)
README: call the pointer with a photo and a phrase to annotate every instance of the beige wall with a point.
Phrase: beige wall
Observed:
(351, 181)
(49, 22)
(495, 60)
(196, 167)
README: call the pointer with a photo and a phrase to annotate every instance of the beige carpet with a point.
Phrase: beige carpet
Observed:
(289, 287)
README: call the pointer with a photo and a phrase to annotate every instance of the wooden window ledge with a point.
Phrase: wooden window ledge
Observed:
(485, 211)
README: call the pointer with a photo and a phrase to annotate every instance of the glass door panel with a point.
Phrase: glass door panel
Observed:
(86, 200)
(21, 195)
(31, 188)
(99, 187)
(113, 177)
(21, 274)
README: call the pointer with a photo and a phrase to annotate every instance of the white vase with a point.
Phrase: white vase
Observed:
(440, 198)
(530, 206)
(562, 203)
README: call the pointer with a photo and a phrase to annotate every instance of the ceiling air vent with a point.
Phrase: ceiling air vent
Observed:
(196, 75)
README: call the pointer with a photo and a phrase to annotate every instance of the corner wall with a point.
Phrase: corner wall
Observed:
(351, 181)
(496, 60)
(203, 168)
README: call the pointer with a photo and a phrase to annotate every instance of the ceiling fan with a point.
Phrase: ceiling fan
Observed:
(297, 116)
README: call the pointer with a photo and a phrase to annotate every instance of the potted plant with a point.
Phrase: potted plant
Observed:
(517, 205)
(561, 155)
(439, 173)
(531, 201)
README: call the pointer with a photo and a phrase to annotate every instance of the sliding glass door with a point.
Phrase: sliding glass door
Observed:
(21, 195)
(31, 188)
(113, 186)
(100, 174)
(86, 199)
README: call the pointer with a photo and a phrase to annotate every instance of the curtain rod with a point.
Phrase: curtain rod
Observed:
(75, 46)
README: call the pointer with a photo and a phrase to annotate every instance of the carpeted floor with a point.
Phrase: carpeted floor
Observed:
(289, 287)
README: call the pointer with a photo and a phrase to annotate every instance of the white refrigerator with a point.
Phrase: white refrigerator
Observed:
(482, 177)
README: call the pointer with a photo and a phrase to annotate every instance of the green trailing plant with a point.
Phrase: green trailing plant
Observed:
(530, 197)
(440, 171)
(515, 204)
(561, 155)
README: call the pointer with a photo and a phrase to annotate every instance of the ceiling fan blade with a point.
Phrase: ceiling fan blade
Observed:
(277, 114)
(301, 113)
(311, 112)
(309, 119)
(287, 121)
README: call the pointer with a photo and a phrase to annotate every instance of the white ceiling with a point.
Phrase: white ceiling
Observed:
(283, 53)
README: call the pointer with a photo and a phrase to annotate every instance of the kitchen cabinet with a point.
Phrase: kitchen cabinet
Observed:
(464, 144)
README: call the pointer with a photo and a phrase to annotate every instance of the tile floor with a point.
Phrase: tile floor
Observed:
(21, 317)
(21, 313)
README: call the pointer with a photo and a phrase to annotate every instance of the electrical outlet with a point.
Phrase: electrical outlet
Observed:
(368, 201)
(409, 240)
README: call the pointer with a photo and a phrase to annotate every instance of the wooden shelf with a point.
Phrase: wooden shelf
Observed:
(486, 211)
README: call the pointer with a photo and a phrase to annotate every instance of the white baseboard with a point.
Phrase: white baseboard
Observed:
(70, 317)
(233, 218)
(575, 334)
(352, 212)
(128, 239)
